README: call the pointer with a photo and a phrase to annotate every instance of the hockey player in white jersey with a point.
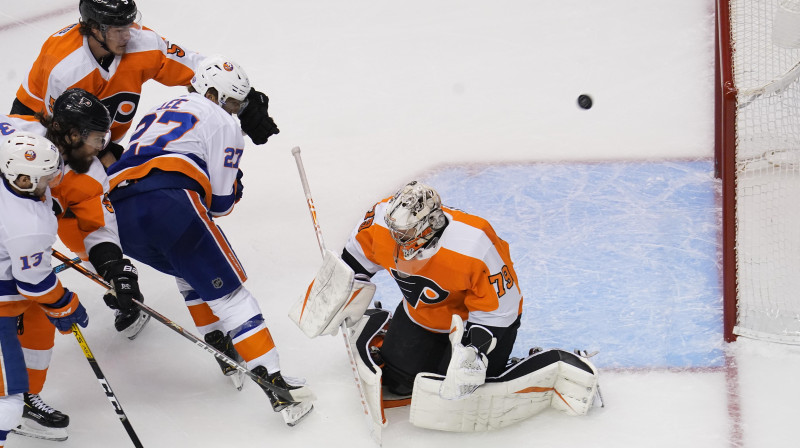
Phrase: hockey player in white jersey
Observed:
(87, 226)
(181, 170)
(29, 164)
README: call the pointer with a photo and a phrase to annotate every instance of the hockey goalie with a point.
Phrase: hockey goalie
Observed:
(446, 348)
(464, 399)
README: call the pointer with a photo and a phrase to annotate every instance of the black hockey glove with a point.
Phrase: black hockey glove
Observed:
(239, 185)
(255, 119)
(113, 149)
(124, 279)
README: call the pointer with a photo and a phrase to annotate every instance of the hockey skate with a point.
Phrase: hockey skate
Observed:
(130, 323)
(224, 344)
(291, 411)
(41, 421)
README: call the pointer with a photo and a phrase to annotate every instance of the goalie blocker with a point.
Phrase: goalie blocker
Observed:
(552, 378)
(335, 296)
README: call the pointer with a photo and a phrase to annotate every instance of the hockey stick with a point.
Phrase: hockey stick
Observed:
(375, 432)
(283, 393)
(106, 387)
(64, 266)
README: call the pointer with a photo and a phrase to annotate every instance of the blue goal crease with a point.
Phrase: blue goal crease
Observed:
(620, 257)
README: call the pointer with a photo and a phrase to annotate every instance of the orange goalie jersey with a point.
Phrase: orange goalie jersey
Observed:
(471, 274)
(66, 61)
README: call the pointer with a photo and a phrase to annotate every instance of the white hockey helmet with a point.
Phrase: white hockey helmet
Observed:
(225, 76)
(413, 216)
(25, 153)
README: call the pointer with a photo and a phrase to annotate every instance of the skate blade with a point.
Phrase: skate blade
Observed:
(292, 415)
(135, 328)
(237, 378)
(37, 431)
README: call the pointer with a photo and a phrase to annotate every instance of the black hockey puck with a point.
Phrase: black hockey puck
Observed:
(584, 101)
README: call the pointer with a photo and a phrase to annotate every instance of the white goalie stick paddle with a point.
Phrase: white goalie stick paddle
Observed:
(375, 430)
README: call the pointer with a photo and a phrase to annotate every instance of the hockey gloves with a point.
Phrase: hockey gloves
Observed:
(468, 364)
(66, 311)
(255, 118)
(112, 148)
(124, 281)
(239, 185)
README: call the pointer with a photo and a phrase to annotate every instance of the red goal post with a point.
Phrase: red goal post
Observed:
(757, 149)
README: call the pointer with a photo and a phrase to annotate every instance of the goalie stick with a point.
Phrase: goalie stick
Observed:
(374, 431)
(279, 391)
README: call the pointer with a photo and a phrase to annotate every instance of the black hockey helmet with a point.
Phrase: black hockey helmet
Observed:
(77, 108)
(108, 12)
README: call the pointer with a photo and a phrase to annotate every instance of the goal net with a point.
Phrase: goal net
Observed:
(759, 109)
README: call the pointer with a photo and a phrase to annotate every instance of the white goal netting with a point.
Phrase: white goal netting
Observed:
(765, 36)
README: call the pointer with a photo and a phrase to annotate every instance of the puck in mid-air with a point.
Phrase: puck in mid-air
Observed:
(584, 101)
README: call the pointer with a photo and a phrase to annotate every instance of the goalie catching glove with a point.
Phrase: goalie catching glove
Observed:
(467, 368)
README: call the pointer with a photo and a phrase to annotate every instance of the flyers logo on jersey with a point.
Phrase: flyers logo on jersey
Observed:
(417, 289)
(122, 106)
(30, 155)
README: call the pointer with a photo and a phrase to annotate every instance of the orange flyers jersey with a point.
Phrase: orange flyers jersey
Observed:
(86, 216)
(27, 234)
(471, 273)
(65, 61)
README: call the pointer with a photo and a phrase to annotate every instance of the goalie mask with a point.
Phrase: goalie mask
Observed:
(28, 154)
(227, 78)
(413, 217)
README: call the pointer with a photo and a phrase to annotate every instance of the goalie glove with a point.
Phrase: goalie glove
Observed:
(467, 368)
(335, 296)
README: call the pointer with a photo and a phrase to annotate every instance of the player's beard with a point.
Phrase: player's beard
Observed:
(78, 164)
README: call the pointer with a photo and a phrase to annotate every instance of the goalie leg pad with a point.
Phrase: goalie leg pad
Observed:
(576, 385)
(524, 390)
(369, 373)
